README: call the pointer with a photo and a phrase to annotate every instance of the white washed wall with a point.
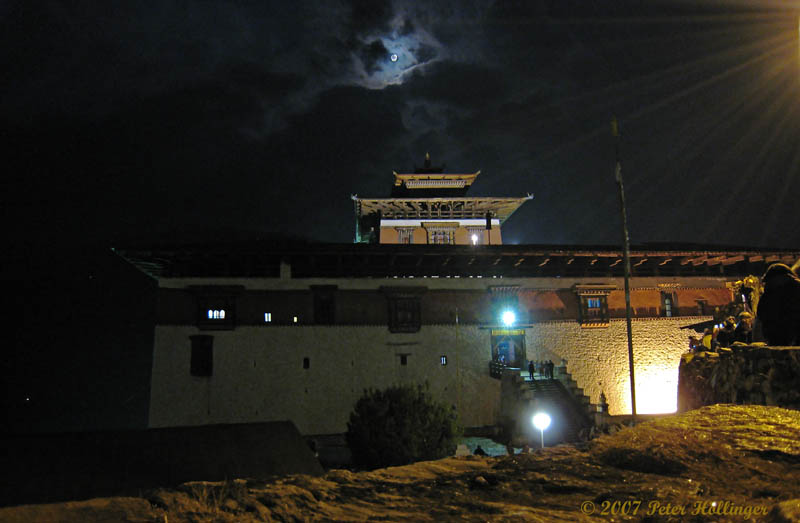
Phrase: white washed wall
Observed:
(259, 375)
(598, 359)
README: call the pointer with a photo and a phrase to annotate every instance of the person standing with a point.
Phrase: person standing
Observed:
(779, 306)
(727, 333)
(707, 336)
(744, 331)
(531, 369)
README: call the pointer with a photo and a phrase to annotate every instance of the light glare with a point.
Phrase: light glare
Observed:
(541, 420)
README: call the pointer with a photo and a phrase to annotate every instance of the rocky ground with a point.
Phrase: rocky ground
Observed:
(718, 463)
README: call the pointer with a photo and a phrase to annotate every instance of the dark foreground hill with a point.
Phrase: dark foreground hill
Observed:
(718, 463)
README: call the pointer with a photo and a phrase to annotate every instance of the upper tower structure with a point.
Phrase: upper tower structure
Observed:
(431, 206)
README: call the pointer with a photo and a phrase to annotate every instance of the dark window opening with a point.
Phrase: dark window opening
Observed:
(404, 359)
(324, 304)
(669, 304)
(702, 308)
(404, 315)
(306, 363)
(202, 357)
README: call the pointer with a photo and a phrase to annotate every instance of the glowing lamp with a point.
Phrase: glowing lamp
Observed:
(393, 58)
(541, 420)
(474, 239)
(509, 318)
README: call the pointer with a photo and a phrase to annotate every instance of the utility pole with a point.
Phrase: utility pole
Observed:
(626, 257)
(458, 366)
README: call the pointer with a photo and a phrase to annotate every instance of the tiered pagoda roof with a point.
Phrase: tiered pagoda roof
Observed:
(439, 208)
(430, 193)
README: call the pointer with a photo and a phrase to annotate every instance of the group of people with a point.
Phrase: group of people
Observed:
(545, 368)
(778, 312)
(715, 337)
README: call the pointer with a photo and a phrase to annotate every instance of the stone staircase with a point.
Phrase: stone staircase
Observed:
(571, 410)
(565, 378)
(568, 415)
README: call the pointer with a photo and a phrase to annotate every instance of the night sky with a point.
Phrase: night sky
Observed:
(129, 122)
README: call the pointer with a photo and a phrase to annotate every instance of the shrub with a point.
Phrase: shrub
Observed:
(398, 426)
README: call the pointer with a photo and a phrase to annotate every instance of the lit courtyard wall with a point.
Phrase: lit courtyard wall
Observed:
(597, 358)
(258, 373)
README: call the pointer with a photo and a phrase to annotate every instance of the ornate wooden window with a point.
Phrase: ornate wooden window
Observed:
(404, 308)
(441, 233)
(405, 235)
(669, 304)
(593, 304)
(324, 304)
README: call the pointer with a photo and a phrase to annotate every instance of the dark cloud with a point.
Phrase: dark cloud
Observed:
(407, 28)
(458, 84)
(370, 15)
(266, 116)
(373, 53)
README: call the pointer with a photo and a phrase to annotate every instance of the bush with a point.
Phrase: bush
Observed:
(398, 426)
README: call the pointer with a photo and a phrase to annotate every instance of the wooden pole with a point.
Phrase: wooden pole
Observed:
(626, 255)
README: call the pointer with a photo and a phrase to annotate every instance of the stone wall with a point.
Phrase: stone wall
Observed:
(259, 375)
(753, 375)
(597, 359)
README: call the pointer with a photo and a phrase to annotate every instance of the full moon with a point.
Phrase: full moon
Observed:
(393, 58)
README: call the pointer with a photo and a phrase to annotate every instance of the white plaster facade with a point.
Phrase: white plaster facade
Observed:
(258, 371)
(259, 375)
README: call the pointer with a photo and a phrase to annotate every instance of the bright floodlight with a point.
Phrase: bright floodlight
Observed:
(393, 58)
(474, 239)
(509, 318)
(541, 420)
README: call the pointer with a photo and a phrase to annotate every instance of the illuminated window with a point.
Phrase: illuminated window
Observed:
(294, 319)
(444, 360)
(267, 317)
(593, 308)
(475, 235)
(216, 314)
(216, 308)
(594, 305)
